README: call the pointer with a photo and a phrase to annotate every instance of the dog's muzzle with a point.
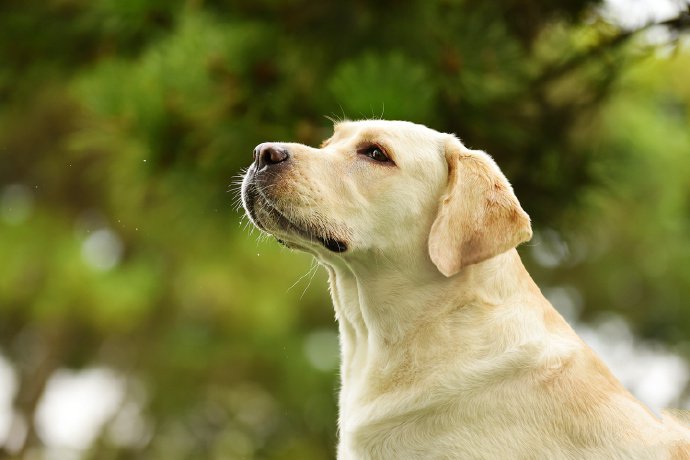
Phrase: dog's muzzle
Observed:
(264, 212)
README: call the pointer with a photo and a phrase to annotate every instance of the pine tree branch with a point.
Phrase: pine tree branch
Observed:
(679, 24)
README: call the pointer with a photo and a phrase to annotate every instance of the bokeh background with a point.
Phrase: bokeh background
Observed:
(139, 316)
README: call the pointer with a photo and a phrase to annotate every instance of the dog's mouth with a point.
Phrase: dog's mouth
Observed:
(264, 213)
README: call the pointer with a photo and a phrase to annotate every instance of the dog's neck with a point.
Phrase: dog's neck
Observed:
(379, 314)
(373, 303)
(386, 326)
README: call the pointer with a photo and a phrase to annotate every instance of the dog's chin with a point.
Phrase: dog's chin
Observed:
(331, 244)
(295, 236)
(267, 217)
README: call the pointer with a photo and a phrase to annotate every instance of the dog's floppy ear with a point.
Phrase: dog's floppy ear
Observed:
(479, 216)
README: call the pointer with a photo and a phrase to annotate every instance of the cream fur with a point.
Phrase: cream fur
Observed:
(449, 350)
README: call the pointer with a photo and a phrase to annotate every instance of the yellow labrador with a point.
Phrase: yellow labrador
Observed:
(449, 349)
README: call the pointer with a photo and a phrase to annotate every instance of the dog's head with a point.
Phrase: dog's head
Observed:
(392, 188)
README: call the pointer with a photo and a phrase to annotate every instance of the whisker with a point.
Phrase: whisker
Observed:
(313, 273)
(311, 268)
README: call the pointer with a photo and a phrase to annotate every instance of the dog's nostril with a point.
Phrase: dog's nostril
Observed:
(275, 155)
(270, 154)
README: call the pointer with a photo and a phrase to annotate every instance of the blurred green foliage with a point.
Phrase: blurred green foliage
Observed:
(122, 124)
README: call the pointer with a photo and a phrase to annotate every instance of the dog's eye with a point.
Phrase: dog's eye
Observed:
(375, 153)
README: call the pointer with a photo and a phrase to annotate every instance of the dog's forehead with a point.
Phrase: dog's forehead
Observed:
(396, 134)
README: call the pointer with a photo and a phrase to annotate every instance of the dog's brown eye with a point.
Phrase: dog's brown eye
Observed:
(375, 153)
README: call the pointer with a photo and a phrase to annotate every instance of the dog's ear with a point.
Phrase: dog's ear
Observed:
(479, 216)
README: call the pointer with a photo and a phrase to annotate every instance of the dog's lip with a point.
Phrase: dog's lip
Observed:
(287, 225)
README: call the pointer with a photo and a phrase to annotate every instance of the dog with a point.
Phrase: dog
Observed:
(449, 350)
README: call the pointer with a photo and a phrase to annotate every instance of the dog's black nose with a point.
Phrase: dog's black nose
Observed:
(269, 153)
